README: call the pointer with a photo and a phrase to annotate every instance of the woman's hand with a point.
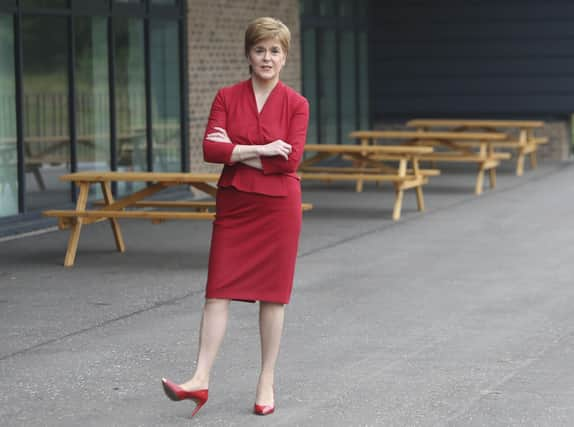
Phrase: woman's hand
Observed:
(219, 136)
(275, 148)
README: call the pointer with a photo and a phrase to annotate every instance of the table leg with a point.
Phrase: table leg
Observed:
(523, 143)
(77, 227)
(479, 181)
(109, 198)
(533, 160)
(399, 191)
(520, 162)
(492, 176)
(419, 188)
(399, 195)
(420, 198)
(530, 137)
(492, 170)
(361, 164)
(483, 151)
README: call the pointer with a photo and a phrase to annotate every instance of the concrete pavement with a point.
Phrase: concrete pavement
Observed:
(459, 316)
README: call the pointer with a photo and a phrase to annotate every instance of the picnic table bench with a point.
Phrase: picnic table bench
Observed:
(524, 143)
(370, 166)
(133, 205)
(454, 147)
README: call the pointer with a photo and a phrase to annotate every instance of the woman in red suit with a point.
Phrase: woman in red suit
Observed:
(257, 129)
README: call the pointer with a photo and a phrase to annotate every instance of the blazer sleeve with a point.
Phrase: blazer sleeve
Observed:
(217, 152)
(297, 136)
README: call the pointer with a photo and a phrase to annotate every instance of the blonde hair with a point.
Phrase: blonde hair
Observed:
(267, 28)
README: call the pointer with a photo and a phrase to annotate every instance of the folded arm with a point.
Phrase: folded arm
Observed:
(275, 157)
(278, 164)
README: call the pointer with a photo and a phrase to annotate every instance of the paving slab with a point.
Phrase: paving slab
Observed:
(461, 315)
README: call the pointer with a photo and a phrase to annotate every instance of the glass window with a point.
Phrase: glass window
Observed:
(338, 91)
(89, 7)
(327, 7)
(328, 87)
(7, 5)
(364, 103)
(346, 7)
(45, 110)
(307, 7)
(8, 151)
(92, 95)
(348, 97)
(165, 96)
(362, 8)
(130, 95)
(47, 4)
(31, 183)
(310, 81)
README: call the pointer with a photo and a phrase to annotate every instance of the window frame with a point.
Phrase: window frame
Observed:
(111, 10)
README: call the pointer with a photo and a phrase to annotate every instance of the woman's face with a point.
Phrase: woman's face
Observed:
(267, 58)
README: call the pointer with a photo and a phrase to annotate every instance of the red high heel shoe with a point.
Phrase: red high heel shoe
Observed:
(263, 409)
(176, 393)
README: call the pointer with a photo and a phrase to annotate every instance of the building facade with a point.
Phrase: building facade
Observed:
(114, 85)
(87, 85)
(128, 84)
(488, 59)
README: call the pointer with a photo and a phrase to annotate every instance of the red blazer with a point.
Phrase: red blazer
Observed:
(284, 116)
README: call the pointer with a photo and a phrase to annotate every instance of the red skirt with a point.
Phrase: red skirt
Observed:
(254, 245)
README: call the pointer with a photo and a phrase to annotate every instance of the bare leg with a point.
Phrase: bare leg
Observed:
(271, 317)
(212, 331)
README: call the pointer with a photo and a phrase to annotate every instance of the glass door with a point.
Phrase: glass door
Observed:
(92, 96)
(130, 102)
(8, 148)
(334, 35)
(165, 96)
(348, 75)
(45, 110)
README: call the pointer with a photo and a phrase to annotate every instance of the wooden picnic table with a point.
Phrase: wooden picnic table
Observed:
(524, 143)
(136, 205)
(454, 146)
(370, 165)
(114, 209)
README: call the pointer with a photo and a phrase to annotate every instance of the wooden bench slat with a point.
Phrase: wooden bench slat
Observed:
(506, 144)
(334, 149)
(203, 204)
(199, 204)
(475, 123)
(129, 214)
(355, 176)
(427, 135)
(164, 177)
(425, 172)
(102, 213)
(338, 169)
(343, 169)
(456, 157)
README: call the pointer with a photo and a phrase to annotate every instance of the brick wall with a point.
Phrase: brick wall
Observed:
(558, 132)
(216, 59)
